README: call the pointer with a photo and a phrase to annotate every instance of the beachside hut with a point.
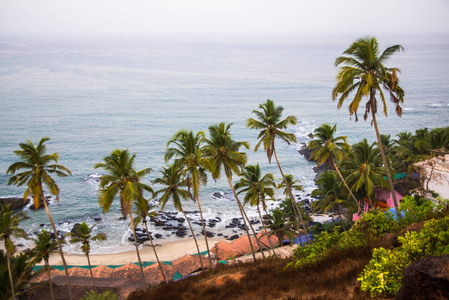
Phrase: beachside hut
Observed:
(265, 238)
(44, 277)
(242, 246)
(224, 250)
(81, 272)
(383, 198)
(102, 272)
(130, 272)
(153, 273)
(189, 264)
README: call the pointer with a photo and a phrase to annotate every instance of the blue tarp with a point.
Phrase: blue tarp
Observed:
(392, 210)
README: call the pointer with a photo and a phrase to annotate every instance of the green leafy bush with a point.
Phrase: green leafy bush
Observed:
(383, 275)
(93, 295)
(376, 223)
(416, 209)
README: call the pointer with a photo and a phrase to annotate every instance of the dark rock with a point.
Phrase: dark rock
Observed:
(306, 152)
(211, 224)
(15, 202)
(98, 219)
(192, 211)
(41, 225)
(208, 233)
(233, 237)
(218, 195)
(181, 233)
(20, 245)
(53, 236)
(159, 223)
(220, 234)
(158, 236)
(122, 219)
(426, 278)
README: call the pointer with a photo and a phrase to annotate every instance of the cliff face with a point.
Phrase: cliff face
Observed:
(15, 202)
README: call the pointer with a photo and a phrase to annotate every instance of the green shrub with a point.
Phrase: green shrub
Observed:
(383, 274)
(416, 209)
(93, 295)
(376, 223)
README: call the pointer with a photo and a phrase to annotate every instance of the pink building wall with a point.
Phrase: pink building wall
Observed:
(382, 194)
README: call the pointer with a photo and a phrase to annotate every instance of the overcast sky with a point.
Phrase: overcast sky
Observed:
(224, 17)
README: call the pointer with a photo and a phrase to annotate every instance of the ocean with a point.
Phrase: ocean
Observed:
(91, 96)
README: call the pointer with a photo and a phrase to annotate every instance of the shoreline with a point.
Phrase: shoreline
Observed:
(166, 251)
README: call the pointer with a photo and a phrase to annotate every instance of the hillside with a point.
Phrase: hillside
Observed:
(333, 278)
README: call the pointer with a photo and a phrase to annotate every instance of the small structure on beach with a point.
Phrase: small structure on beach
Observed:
(383, 199)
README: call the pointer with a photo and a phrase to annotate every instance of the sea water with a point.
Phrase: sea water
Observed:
(92, 96)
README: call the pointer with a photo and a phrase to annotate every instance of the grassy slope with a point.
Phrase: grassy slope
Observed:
(334, 278)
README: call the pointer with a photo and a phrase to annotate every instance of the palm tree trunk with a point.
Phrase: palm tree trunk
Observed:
(8, 258)
(154, 249)
(47, 270)
(194, 238)
(269, 236)
(137, 248)
(341, 219)
(243, 216)
(295, 205)
(384, 159)
(204, 229)
(269, 240)
(66, 271)
(90, 270)
(254, 232)
(346, 185)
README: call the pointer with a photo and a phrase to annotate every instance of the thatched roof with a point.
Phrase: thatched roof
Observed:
(265, 239)
(153, 273)
(224, 250)
(131, 272)
(102, 272)
(75, 271)
(190, 263)
(242, 246)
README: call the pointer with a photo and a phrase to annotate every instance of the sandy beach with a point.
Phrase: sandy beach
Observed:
(168, 251)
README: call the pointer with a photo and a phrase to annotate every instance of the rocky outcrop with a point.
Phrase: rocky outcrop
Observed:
(16, 202)
(426, 278)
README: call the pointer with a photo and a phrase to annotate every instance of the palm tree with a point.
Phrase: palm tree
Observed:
(328, 148)
(256, 188)
(365, 74)
(9, 227)
(83, 234)
(280, 225)
(270, 125)
(187, 147)
(329, 189)
(363, 169)
(174, 190)
(292, 183)
(43, 247)
(222, 152)
(22, 272)
(124, 181)
(38, 166)
(143, 210)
